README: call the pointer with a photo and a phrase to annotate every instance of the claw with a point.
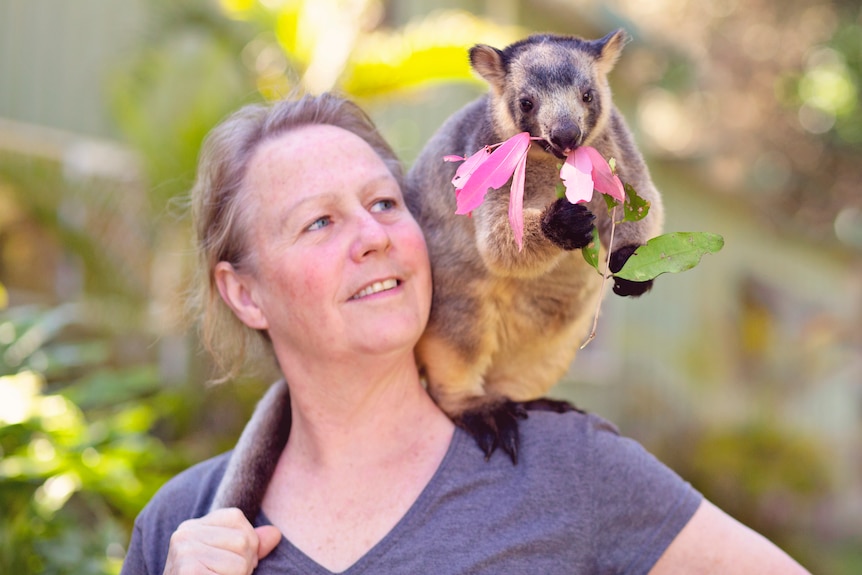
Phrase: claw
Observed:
(495, 426)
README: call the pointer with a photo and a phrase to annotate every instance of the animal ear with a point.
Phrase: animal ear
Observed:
(609, 49)
(488, 63)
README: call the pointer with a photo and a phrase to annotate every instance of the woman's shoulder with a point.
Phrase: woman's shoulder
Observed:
(569, 430)
(589, 445)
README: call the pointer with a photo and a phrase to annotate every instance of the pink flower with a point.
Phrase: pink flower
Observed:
(483, 171)
(585, 170)
(462, 174)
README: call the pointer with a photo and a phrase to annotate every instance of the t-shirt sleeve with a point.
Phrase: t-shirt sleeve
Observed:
(639, 505)
(134, 563)
(186, 496)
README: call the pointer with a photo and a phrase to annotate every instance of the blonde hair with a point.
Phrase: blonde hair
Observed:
(219, 210)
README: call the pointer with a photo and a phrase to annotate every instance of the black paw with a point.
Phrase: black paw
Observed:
(547, 404)
(622, 286)
(493, 426)
(568, 225)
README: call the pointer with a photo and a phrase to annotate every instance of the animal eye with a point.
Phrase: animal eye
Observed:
(526, 105)
(588, 96)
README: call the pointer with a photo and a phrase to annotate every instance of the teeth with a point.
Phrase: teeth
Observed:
(377, 287)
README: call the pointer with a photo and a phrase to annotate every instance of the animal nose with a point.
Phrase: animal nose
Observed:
(566, 138)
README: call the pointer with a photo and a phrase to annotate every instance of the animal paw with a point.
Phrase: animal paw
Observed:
(568, 225)
(494, 425)
(622, 286)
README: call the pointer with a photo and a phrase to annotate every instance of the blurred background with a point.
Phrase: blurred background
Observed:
(744, 374)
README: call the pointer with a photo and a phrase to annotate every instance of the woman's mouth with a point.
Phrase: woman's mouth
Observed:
(376, 287)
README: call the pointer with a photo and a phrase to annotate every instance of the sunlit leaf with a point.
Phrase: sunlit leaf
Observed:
(386, 61)
(669, 253)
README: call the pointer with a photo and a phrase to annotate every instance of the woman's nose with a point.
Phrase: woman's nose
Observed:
(371, 236)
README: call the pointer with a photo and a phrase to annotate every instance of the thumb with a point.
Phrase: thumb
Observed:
(268, 537)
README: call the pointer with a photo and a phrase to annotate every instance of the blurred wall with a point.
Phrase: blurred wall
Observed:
(56, 57)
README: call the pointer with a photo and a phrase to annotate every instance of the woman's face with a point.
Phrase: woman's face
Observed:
(339, 265)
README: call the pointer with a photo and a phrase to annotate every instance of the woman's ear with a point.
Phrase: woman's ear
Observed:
(236, 291)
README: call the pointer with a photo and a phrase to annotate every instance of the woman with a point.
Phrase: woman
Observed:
(308, 249)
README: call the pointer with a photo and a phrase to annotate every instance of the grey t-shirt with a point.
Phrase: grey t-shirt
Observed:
(582, 499)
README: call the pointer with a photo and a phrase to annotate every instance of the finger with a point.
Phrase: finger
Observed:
(268, 538)
(225, 530)
(227, 517)
(195, 556)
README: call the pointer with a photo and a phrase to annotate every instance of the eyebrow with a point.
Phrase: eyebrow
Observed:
(324, 197)
(290, 210)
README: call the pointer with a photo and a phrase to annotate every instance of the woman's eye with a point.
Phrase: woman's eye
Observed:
(383, 205)
(319, 223)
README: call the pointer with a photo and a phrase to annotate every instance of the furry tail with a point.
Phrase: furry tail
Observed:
(253, 460)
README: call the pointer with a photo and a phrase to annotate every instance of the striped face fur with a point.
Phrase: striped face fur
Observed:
(554, 87)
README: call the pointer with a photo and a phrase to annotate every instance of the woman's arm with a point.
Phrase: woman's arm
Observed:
(714, 542)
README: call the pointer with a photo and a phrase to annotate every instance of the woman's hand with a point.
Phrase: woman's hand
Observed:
(222, 542)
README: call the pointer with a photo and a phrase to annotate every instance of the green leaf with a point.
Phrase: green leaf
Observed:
(635, 207)
(610, 202)
(591, 252)
(669, 253)
(561, 190)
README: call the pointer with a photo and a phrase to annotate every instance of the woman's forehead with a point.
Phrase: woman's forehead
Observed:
(315, 158)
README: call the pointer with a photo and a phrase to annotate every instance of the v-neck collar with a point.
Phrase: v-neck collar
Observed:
(288, 552)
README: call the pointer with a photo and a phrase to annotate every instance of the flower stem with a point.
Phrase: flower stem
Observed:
(605, 276)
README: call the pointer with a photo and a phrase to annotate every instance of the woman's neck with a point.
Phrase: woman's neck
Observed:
(371, 413)
(364, 443)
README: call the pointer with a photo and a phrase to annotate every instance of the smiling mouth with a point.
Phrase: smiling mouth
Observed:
(377, 287)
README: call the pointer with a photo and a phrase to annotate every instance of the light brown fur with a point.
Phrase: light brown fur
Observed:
(505, 324)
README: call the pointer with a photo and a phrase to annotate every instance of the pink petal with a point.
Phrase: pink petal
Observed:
(516, 201)
(493, 172)
(465, 170)
(453, 158)
(604, 180)
(576, 174)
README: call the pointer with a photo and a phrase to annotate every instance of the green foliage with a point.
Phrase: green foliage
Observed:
(171, 91)
(76, 444)
(635, 208)
(769, 477)
(757, 472)
(829, 88)
(669, 253)
(591, 251)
